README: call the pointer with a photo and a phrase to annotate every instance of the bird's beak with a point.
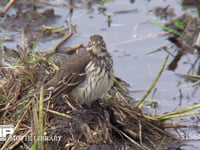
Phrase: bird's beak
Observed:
(89, 48)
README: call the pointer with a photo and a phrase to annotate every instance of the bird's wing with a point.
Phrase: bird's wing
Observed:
(67, 84)
(70, 74)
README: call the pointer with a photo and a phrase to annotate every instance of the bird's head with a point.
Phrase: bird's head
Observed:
(97, 46)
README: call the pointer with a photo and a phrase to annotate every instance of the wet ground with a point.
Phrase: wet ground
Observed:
(131, 38)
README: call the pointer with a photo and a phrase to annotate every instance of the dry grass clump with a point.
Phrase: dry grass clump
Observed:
(111, 123)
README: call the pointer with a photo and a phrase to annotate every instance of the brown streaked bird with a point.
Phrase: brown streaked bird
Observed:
(85, 76)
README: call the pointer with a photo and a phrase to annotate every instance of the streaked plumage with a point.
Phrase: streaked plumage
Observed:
(85, 76)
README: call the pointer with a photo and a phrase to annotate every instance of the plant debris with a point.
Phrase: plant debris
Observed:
(187, 39)
(110, 123)
(34, 23)
(164, 12)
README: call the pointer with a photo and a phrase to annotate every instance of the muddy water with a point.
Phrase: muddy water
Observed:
(129, 39)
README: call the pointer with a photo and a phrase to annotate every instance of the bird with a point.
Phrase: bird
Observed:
(87, 75)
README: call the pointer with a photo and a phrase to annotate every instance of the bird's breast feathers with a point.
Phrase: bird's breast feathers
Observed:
(98, 81)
